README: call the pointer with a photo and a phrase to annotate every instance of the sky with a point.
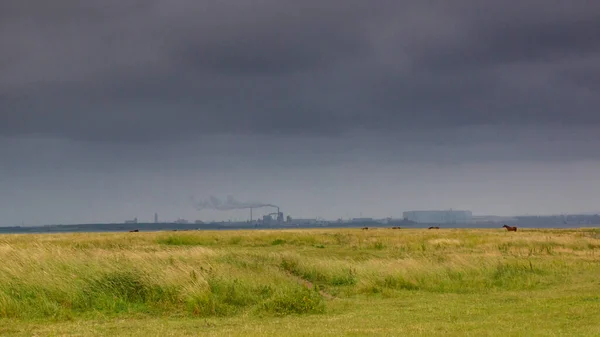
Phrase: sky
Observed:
(116, 109)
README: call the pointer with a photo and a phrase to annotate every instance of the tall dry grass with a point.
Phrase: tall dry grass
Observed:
(219, 273)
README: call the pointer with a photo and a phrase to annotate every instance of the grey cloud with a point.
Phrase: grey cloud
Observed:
(121, 108)
(147, 70)
(533, 32)
(210, 154)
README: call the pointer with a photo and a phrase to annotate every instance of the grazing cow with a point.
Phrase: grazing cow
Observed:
(135, 230)
(436, 227)
(365, 228)
(396, 228)
(510, 229)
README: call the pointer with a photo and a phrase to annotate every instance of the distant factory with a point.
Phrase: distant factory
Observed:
(268, 219)
(439, 217)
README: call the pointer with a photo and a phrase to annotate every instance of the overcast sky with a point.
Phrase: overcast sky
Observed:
(121, 108)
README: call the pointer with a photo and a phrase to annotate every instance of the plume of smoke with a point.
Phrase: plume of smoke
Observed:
(228, 204)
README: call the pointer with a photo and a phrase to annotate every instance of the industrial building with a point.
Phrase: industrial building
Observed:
(441, 217)
(302, 221)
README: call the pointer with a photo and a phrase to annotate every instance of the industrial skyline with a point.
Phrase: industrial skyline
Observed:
(447, 216)
(253, 215)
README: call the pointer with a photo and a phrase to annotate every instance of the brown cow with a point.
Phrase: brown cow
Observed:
(365, 228)
(434, 227)
(135, 230)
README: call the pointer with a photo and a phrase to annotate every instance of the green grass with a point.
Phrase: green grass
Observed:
(302, 282)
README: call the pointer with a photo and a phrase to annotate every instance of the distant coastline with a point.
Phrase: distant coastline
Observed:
(153, 227)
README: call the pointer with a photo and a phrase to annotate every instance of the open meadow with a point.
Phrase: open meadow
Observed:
(322, 282)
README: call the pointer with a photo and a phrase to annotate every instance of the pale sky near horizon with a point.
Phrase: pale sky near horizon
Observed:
(119, 109)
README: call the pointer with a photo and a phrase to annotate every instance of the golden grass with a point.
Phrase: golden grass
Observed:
(251, 281)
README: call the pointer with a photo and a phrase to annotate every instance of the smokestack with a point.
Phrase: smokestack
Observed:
(229, 204)
(250, 214)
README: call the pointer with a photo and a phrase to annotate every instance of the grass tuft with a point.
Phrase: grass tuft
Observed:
(295, 300)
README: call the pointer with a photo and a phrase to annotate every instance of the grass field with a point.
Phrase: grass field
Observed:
(302, 282)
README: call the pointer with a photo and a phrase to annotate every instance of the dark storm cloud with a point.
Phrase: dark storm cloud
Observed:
(532, 34)
(138, 70)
